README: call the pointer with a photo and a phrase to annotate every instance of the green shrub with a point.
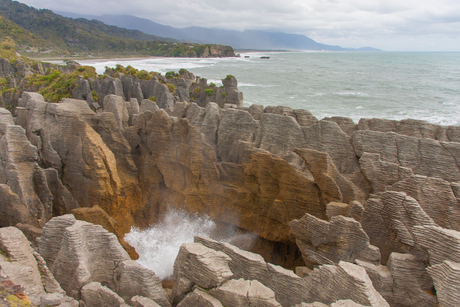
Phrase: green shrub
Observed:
(171, 87)
(209, 91)
(229, 77)
(212, 84)
(143, 75)
(182, 71)
(95, 97)
(224, 94)
(153, 98)
(171, 74)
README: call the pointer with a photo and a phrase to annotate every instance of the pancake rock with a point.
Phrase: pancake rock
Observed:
(20, 264)
(341, 239)
(446, 277)
(65, 137)
(79, 253)
(288, 288)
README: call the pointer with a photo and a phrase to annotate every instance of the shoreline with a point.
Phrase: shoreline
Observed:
(54, 59)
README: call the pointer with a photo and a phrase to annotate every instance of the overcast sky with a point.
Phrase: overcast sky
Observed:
(392, 25)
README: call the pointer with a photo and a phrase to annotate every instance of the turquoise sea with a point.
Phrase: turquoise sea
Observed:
(393, 85)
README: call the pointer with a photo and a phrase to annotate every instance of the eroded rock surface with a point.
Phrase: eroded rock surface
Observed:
(377, 187)
(79, 253)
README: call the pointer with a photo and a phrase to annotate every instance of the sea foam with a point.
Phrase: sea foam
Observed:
(159, 245)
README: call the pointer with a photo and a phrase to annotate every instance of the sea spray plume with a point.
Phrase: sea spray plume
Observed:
(159, 245)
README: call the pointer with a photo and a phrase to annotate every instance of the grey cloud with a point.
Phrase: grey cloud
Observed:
(350, 23)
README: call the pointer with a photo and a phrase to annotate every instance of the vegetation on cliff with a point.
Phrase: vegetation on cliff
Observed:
(55, 85)
(25, 41)
(82, 37)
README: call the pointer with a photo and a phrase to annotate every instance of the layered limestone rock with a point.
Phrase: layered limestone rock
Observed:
(412, 286)
(30, 193)
(446, 278)
(412, 152)
(439, 243)
(326, 284)
(235, 293)
(20, 264)
(436, 197)
(389, 219)
(96, 215)
(341, 239)
(79, 253)
(66, 138)
(388, 185)
(199, 298)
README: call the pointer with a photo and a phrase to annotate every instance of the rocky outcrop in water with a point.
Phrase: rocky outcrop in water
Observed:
(164, 91)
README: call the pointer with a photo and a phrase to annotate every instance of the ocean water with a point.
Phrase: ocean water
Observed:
(392, 85)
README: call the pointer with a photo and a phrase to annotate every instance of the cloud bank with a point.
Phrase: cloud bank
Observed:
(423, 25)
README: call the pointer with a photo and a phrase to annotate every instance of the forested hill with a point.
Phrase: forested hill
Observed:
(83, 37)
(25, 41)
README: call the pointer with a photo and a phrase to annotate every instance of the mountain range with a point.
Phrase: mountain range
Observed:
(249, 39)
(47, 33)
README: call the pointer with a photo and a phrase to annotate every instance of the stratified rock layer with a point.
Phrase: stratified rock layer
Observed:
(343, 192)
(79, 253)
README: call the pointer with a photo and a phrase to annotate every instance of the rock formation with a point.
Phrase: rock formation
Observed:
(247, 280)
(372, 209)
(80, 254)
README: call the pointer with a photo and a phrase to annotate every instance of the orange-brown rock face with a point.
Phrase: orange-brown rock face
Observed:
(262, 195)
(96, 215)
(66, 139)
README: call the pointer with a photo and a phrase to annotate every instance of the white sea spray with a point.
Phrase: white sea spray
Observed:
(159, 245)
